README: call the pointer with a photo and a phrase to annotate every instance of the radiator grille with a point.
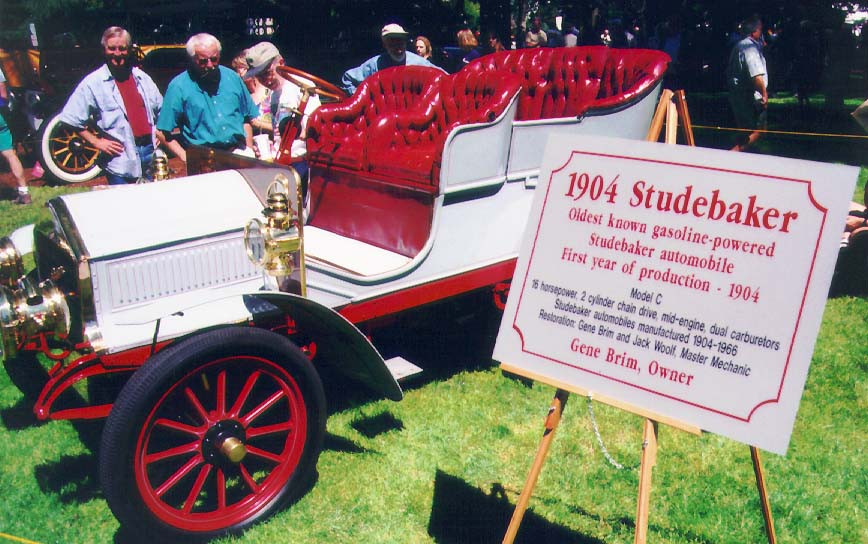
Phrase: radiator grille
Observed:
(170, 272)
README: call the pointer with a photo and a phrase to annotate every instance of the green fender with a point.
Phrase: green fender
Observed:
(336, 338)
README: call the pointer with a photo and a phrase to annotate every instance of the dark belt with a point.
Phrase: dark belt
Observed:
(226, 146)
(144, 140)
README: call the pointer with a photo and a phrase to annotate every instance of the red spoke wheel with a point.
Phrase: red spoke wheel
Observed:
(213, 434)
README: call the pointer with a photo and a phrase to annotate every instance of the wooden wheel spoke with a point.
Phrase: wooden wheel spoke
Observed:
(178, 426)
(197, 406)
(62, 140)
(88, 161)
(172, 452)
(242, 396)
(197, 488)
(248, 479)
(253, 450)
(286, 427)
(262, 408)
(173, 480)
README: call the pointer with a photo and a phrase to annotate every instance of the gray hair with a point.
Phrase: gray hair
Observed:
(115, 32)
(201, 40)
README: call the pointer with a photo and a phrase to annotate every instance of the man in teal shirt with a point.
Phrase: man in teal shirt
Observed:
(209, 103)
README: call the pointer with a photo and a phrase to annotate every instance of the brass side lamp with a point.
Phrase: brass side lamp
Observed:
(277, 244)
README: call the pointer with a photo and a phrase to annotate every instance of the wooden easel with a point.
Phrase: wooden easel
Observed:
(671, 107)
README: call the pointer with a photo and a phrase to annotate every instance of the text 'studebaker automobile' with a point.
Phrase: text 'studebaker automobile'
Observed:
(419, 190)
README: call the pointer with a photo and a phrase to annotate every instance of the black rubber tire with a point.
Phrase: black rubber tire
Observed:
(59, 142)
(145, 400)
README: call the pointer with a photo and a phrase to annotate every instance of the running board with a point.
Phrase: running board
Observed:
(401, 368)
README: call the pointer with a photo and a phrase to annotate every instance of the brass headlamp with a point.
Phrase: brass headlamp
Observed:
(27, 309)
(277, 245)
(11, 266)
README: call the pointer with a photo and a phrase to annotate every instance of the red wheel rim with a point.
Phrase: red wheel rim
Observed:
(186, 458)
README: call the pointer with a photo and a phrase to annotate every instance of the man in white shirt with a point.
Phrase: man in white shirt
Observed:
(748, 79)
(262, 62)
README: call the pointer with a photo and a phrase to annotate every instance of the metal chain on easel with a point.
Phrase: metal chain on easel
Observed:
(612, 461)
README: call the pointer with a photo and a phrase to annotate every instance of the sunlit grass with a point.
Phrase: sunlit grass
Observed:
(447, 463)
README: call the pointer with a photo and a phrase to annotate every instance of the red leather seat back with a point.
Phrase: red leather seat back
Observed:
(531, 65)
(476, 95)
(573, 81)
(566, 82)
(337, 132)
(399, 89)
(628, 74)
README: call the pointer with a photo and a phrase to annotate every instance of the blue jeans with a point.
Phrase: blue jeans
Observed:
(146, 157)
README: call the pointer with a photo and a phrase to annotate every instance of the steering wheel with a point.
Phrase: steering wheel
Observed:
(321, 87)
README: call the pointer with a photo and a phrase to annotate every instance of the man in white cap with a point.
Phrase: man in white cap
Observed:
(262, 62)
(395, 43)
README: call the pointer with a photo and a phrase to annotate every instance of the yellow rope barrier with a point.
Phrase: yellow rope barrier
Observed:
(17, 539)
(784, 132)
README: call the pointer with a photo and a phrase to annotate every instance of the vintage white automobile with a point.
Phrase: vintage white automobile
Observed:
(223, 295)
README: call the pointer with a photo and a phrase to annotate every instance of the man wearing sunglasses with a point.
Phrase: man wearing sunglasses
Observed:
(208, 102)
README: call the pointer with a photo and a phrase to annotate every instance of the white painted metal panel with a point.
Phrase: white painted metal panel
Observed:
(134, 217)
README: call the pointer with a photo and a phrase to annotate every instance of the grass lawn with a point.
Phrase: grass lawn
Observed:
(447, 463)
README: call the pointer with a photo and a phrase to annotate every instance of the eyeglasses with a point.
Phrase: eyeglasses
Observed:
(117, 48)
(203, 61)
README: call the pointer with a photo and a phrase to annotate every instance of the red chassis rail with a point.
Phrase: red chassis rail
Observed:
(64, 375)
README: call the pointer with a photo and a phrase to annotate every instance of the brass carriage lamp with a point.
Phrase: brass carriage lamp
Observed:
(277, 244)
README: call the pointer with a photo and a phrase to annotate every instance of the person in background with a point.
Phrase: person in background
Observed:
(571, 34)
(423, 48)
(125, 103)
(468, 44)
(394, 39)
(536, 36)
(262, 62)
(747, 78)
(494, 43)
(260, 94)
(7, 148)
(209, 103)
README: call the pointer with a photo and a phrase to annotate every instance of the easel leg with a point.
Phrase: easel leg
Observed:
(649, 459)
(764, 494)
(552, 421)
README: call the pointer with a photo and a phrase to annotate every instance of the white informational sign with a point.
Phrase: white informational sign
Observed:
(685, 281)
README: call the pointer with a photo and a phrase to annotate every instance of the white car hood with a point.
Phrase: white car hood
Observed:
(131, 218)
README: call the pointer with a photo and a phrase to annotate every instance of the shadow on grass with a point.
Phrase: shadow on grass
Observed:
(72, 478)
(442, 338)
(378, 424)
(462, 513)
(339, 444)
(20, 416)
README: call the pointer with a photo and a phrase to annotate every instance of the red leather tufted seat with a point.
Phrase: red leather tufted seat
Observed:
(409, 146)
(567, 82)
(337, 133)
(375, 158)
